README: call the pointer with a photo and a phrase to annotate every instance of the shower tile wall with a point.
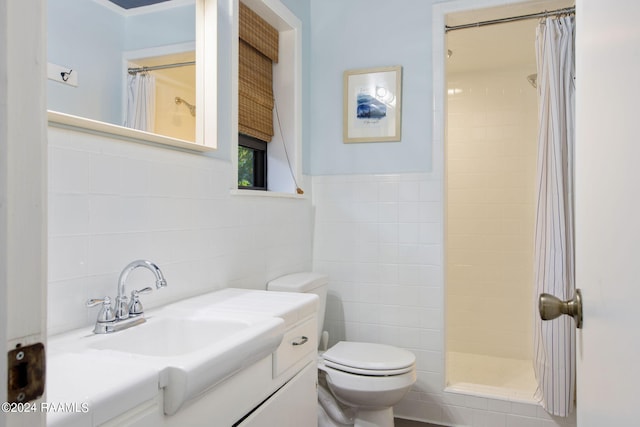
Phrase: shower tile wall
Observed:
(491, 154)
(112, 201)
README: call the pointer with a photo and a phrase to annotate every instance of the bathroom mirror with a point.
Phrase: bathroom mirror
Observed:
(105, 59)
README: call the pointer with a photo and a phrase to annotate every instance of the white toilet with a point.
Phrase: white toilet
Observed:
(369, 378)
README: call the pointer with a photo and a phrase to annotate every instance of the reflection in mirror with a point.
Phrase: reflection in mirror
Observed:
(161, 93)
(99, 40)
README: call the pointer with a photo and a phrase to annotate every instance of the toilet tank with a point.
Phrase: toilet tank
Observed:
(313, 283)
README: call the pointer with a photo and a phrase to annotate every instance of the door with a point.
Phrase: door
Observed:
(23, 213)
(608, 211)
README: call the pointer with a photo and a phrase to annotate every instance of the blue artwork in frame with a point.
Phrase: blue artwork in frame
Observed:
(372, 104)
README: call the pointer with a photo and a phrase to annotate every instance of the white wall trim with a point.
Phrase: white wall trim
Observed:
(83, 124)
(23, 186)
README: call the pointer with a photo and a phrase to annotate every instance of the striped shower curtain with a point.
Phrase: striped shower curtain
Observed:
(554, 341)
(141, 102)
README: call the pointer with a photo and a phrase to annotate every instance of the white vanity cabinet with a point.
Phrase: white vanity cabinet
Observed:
(267, 382)
(148, 414)
(280, 390)
(293, 405)
(294, 363)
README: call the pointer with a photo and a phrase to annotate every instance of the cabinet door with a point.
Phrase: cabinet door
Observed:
(294, 405)
(149, 414)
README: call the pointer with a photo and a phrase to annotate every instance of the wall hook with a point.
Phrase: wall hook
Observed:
(65, 75)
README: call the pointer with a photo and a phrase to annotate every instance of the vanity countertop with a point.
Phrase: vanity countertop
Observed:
(100, 384)
(290, 307)
(91, 388)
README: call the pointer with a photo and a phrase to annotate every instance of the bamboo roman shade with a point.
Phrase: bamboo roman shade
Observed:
(258, 52)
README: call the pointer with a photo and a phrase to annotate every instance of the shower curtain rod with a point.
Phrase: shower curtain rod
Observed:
(565, 11)
(134, 71)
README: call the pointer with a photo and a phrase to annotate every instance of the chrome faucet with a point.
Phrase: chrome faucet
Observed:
(123, 309)
(126, 314)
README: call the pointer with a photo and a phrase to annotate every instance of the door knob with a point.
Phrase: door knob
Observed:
(551, 307)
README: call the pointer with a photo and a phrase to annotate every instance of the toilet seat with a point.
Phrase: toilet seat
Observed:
(369, 359)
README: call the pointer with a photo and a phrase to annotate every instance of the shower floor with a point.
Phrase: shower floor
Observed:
(499, 377)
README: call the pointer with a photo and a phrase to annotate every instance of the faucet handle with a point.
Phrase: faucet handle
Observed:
(106, 313)
(135, 308)
(122, 307)
(146, 290)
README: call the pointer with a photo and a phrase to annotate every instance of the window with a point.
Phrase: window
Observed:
(258, 51)
(252, 163)
(284, 155)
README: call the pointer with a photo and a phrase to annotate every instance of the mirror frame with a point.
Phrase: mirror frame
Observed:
(206, 94)
(207, 73)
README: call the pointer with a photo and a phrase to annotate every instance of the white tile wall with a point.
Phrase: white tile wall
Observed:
(112, 201)
(372, 240)
(491, 163)
(380, 239)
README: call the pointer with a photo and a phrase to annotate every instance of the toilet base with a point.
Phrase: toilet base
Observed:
(374, 418)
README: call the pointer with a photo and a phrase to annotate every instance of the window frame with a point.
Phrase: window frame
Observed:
(259, 162)
(288, 91)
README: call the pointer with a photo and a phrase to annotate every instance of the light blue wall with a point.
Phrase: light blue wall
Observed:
(361, 34)
(177, 25)
(88, 38)
(225, 59)
(337, 35)
(302, 9)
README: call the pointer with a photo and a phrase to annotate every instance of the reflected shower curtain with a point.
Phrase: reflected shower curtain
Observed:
(141, 101)
(554, 340)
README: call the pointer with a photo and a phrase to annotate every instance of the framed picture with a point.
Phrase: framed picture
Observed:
(372, 104)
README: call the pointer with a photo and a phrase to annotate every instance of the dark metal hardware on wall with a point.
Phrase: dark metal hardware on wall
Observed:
(65, 75)
(26, 376)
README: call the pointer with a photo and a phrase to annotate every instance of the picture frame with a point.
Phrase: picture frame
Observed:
(372, 105)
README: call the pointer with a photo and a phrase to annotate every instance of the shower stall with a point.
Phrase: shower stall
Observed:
(490, 169)
(491, 164)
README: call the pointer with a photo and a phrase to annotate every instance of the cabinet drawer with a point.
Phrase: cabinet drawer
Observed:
(298, 342)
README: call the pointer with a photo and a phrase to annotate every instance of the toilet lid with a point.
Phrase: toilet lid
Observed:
(369, 359)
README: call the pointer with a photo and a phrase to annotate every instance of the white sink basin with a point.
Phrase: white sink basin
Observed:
(168, 337)
(185, 350)
(192, 352)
